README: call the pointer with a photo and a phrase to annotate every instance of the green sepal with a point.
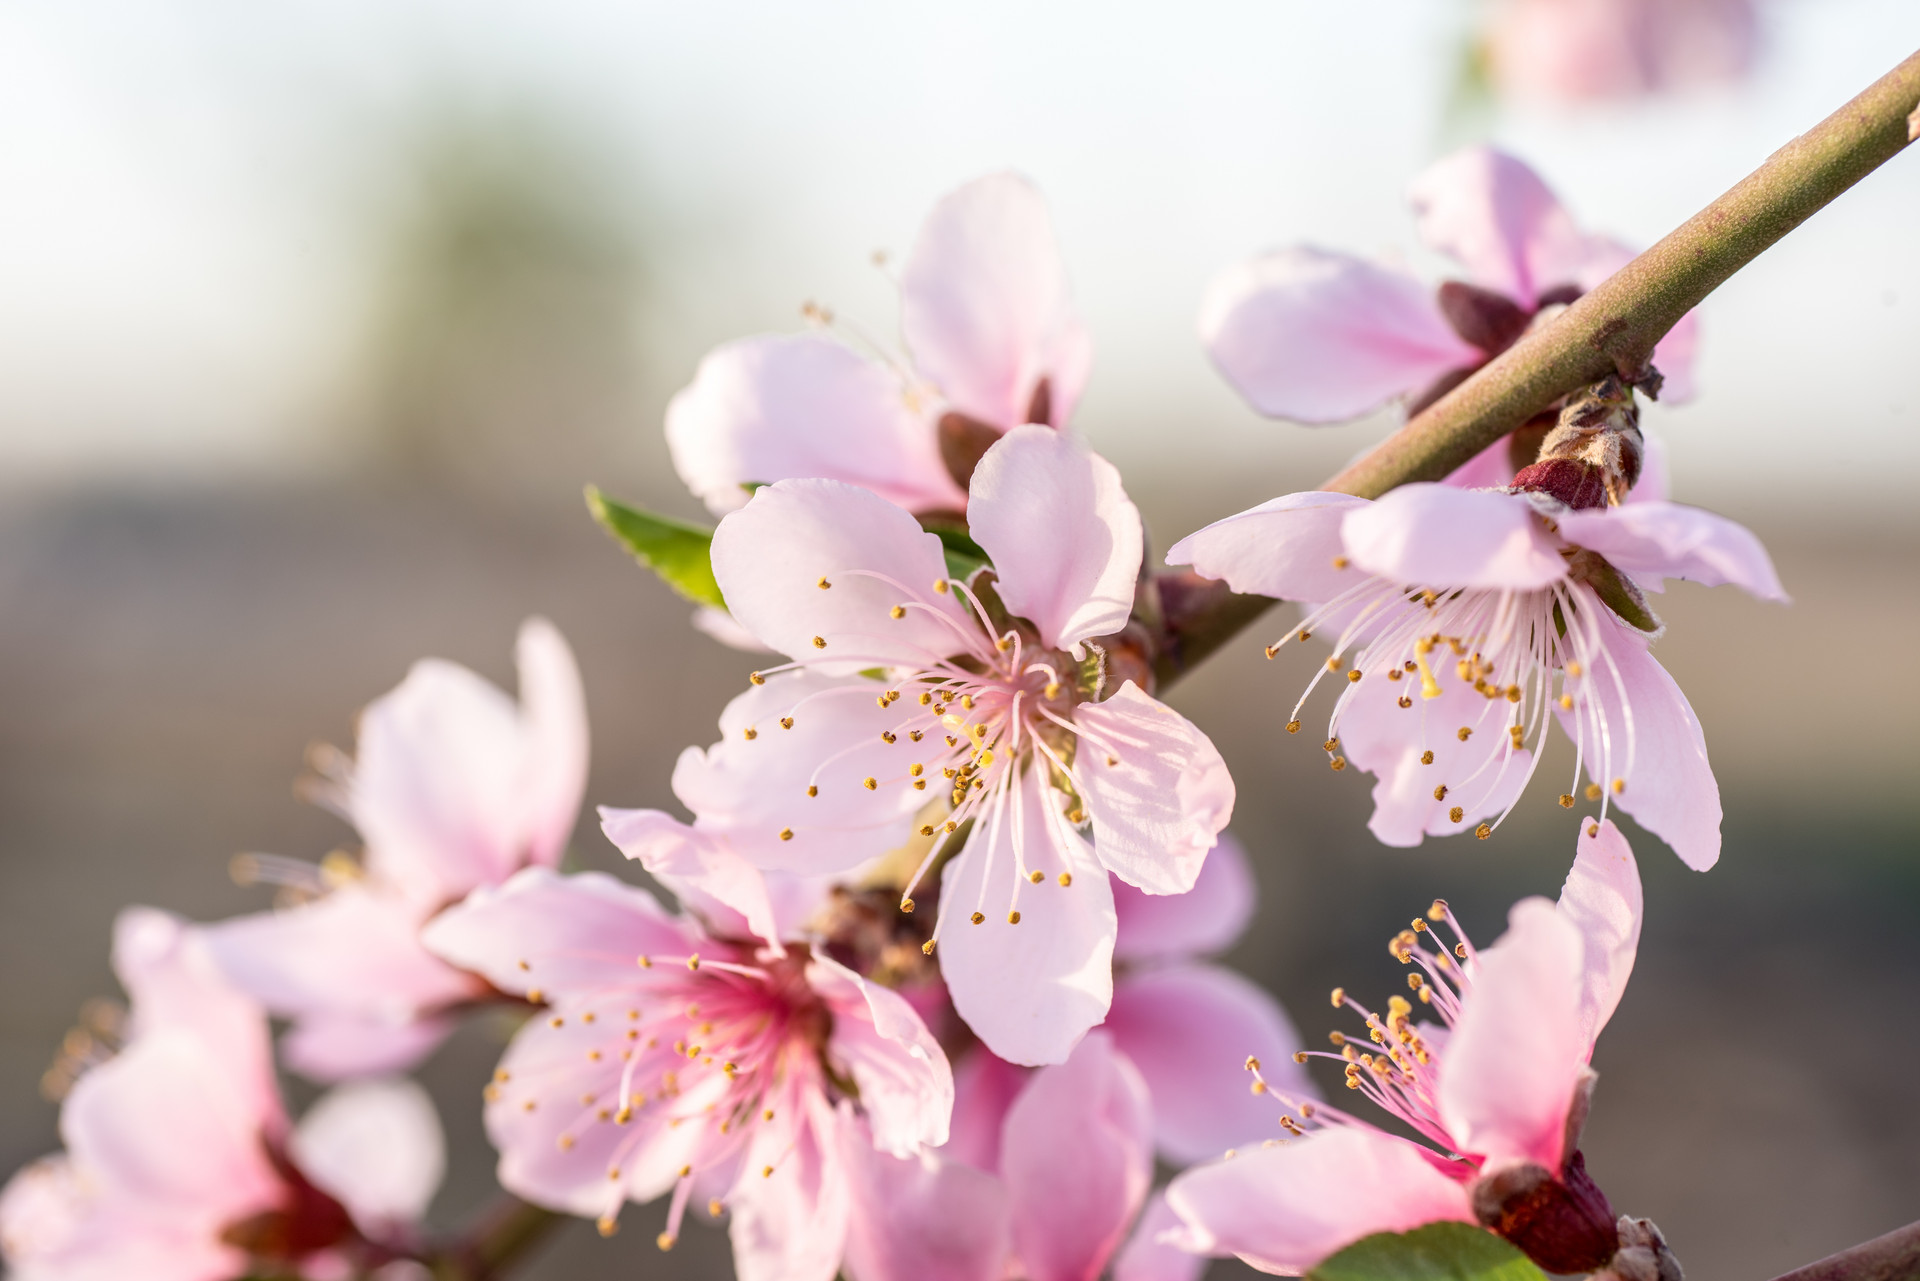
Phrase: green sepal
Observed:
(964, 556)
(1619, 594)
(677, 550)
(1436, 1252)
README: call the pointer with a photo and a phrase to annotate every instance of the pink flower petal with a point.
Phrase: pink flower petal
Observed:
(1319, 337)
(1657, 749)
(355, 952)
(1519, 1045)
(1207, 918)
(923, 1217)
(177, 986)
(578, 935)
(159, 1126)
(789, 408)
(1492, 213)
(1602, 900)
(906, 1087)
(984, 1088)
(1077, 1157)
(1283, 548)
(1155, 788)
(1435, 536)
(1655, 541)
(346, 1047)
(703, 871)
(553, 714)
(1147, 1258)
(1063, 536)
(377, 1148)
(1028, 990)
(1482, 775)
(1287, 1207)
(750, 790)
(1189, 1030)
(791, 1225)
(771, 556)
(436, 784)
(986, 308)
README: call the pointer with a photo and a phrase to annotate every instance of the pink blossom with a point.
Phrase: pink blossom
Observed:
(454, 787)
(994, 343)
(1576, 50)
(180, 1164)
(1319, 336)
(903, 678)
(1498, 1091)
(1050, 1196)
(670, 1059)
(1470, 606)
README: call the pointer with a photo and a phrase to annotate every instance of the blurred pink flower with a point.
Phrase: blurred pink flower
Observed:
(1499, 1091)
(1318, 336)
(180, 1164)
(454, 787)
(904, 678)
(994, 343)
(1511, 584)
(672, 1059)
(1050, 1172)
(1577, 50)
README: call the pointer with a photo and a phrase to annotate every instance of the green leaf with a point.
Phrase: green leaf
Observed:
(677, 550)
(963, 554)
(1437, 1252)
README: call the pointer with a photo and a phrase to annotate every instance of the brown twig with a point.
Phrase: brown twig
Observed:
(1893, 1257)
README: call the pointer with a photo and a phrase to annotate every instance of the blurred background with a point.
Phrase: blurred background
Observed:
(315, 317)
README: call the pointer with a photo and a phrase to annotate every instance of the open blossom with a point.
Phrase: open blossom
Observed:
(915, 700)
(1462, 621)
(994, 342)
(670, 1059)
(180, 1163)
(454, 787)
(1577, 50)
(1318, 336)
(1498, 1090)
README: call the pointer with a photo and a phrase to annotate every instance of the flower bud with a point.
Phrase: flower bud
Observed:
(1563, 1224)
(1593, 455)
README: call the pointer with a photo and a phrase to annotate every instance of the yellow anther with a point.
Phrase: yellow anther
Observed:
(756, 678)
(898, 611)
(819, 642)
(1466, 732)
(1440, 792)
(536, 995)
(1329, 745)
(714, 1207)
(1460, 950)
(870, 783)
(1257, 1087)
(966, 701)
(565, 1142)
(1052, 691)
(1036, 876)
(1513, 693)
(1455, 814)
(1619, 786)
(1293, 727)
(940, 586)
(1416, 981)
(812, 790)
(1271, 650)
(1013, 918)
(1438, 912)
(927, 829)
(1333, 664)
(786, 833)
(1253, 1063)
(1353, 675)
(1426, 757)
(1398, 1007)
(977, 918)
(786, 722)
(1574, 669)
(1341, 562)
(1338, 1038)
(952, 827)
(1593, 829)
(645, 962)
(926, 948)
(1393, 673)
(1066, 879)
(1003, 643)
(1303, 634)
(556, 1021)
(1339, 997)
(1566, 801)
(1338, 763)
(1405, 701)
(767, 1173)
(925, 698)
(823, 584)
(907, 905)
(750, 733)
(1593, 791)
(986, 758)
(1566, 702)
(1419, 925)
(664, 1241)
(693, 962)
(886, 736)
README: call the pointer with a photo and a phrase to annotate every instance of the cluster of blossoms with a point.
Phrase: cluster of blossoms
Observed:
(933, 996)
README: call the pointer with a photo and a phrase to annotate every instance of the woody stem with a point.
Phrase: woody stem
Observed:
(1893, 1257)
(1614, 327)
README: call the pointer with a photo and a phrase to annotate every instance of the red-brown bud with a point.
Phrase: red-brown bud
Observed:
(1563, 1224)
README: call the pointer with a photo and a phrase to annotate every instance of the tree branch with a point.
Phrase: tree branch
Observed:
(1893, 1257)
(1613, 328)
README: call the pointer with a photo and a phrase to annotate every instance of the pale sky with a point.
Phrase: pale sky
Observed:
(182, 235)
